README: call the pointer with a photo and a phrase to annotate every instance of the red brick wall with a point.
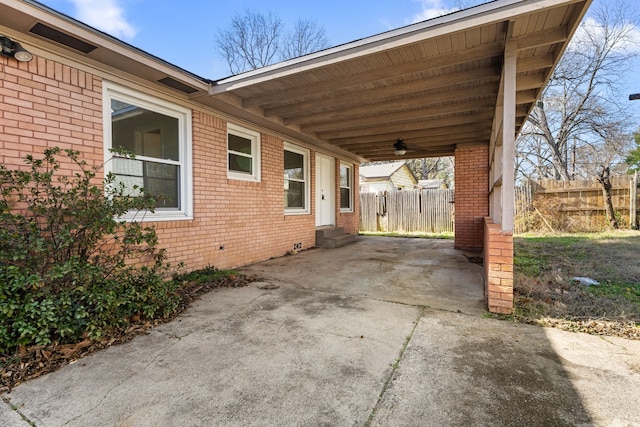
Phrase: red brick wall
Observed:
(44, 104)
(350, 221)
(47, 104)
(472, 195)
(498, 267)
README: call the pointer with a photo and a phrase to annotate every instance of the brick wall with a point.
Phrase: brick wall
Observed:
(498, 267)
(472, 195)
(44, 103)
(350, 221)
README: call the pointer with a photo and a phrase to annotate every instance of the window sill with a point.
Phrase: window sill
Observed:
(157, 216)
(241, 177)
(296, 212)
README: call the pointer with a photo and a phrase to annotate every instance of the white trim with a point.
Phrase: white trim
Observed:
(307, 181)
(331, 196)
(183, 115)
(254, 137)
(349, 166)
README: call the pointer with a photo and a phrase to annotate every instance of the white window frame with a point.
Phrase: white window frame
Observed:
(183, 115)
(254, 137)
(307, 182)
(350, 168)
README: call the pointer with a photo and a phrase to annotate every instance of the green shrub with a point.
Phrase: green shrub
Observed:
(68, 265)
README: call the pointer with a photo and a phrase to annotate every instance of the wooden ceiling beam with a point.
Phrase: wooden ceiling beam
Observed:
(388, 147)
(354, 98)
(427, 63)
(408, 156)
(439, 131)
(478, 118)
(542, 38)
(467, 106)
(526, 96)
(383, 106)
(533, 81)
(417, 139)
(535, 63)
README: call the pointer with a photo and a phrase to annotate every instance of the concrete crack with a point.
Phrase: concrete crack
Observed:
(245, 306)
(17, 411)
(394, 368)
(119, 384)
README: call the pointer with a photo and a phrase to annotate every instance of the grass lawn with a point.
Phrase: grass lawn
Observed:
(547, 294)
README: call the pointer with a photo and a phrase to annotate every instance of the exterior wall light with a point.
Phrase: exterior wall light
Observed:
(14, 50)
(399, 148)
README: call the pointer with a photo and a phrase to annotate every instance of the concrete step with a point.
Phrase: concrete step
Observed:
(327, 233)
(339, 241)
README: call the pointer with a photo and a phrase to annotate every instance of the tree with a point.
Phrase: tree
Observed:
(307, 37)
(255, 40)
(433, 168)
(579, 127)
(633, 158)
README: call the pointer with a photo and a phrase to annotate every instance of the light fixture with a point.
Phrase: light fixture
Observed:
(399, 148)
(14, 50)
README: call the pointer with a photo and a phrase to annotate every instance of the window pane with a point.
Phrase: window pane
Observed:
(161, 181)
(293, 165)
(345, 178)
(239, 163)
(127, 167)
(294, 194)
(345, 198)
(239, 144)
(144, 132)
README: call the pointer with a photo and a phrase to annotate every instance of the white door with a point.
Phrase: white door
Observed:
(325, 191)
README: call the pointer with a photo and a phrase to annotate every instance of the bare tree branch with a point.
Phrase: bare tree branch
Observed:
(579, 126)
(254, 40)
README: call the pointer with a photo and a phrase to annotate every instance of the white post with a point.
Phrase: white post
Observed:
(508, 135)
(633, 200)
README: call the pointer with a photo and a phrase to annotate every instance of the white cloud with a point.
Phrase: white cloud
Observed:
(105, 15)
(431, 9)
(624, 38)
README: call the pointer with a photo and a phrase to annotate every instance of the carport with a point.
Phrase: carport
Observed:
(459, 85)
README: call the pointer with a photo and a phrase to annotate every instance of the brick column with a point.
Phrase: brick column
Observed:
(472, 195)
(498, 267)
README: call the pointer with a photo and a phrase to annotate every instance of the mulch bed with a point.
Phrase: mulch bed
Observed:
(31, 362)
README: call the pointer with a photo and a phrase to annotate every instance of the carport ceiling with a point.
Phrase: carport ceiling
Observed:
(433, 84)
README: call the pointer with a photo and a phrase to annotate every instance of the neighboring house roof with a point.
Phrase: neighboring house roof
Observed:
(384, 170)
(431, 184)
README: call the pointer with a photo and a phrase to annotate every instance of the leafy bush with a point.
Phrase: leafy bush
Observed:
(68, 266)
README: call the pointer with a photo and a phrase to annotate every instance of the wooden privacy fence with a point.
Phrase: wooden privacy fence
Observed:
(575, 205)
(424, 211)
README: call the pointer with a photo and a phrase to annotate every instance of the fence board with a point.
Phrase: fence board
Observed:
(574, 205)
(421, 211)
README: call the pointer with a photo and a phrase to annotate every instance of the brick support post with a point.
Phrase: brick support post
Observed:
(472, 195)
(498, 268)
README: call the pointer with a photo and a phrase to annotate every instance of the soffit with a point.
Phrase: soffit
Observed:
(435, 84)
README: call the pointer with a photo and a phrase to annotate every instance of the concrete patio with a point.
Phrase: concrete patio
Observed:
(385, 332)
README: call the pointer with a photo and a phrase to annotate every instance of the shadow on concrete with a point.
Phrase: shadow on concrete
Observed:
(342, 337)
(458, 368)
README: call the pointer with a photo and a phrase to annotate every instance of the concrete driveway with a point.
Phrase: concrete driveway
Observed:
(385, 332)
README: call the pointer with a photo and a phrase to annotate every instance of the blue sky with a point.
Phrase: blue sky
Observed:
(183, 32)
